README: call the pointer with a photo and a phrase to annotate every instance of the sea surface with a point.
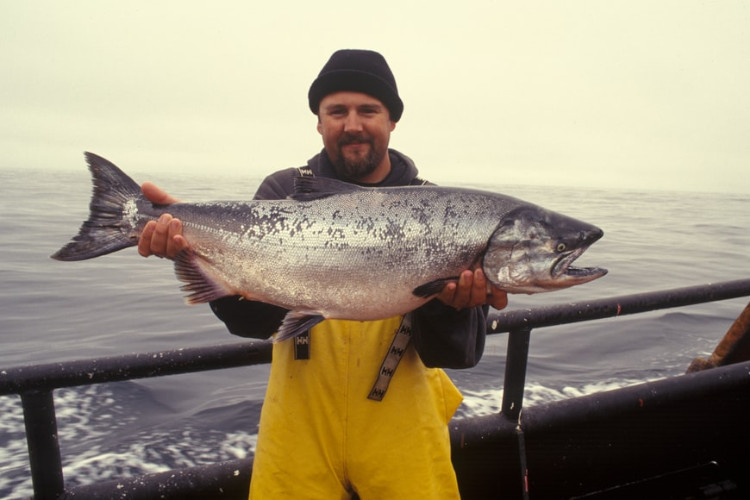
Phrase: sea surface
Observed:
(121, 303)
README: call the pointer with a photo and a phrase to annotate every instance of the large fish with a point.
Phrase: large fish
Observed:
(336, 250)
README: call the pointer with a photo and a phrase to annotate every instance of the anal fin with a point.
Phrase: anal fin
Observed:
(296, 323)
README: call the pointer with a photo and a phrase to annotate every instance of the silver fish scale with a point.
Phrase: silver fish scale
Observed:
(316, 256)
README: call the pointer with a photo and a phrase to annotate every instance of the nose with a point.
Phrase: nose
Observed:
(352, 123)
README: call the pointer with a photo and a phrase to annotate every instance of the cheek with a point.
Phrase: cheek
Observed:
(380, 136)
(329, 138)
(330, 131)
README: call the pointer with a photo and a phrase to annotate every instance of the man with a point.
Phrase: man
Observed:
(352, 407)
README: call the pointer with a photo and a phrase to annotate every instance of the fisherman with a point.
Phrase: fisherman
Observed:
(354, 408)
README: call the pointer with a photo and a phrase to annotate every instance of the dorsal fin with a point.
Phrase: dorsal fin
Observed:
(313, 188)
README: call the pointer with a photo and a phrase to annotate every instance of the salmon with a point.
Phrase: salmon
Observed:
(338, 250)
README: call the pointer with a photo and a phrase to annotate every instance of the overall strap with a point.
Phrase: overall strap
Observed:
(395, 352)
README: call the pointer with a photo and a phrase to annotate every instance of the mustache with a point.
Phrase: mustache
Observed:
(349, 138)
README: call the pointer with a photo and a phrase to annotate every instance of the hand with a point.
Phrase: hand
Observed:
(471, 290)
(163, 237)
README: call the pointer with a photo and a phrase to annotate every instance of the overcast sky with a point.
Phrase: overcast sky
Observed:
(633, 94)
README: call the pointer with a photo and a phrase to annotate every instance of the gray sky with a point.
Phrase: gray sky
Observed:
(631, 94)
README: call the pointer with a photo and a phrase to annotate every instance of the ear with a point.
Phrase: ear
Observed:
(319, 126)
(393, 125)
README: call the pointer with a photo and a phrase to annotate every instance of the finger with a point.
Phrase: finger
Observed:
(180, 243)
(157, 195)
(144, 242)
(498, 299)
(462, 296)
(161, 235)
(448, 293)
(478, 289)
(175, 241)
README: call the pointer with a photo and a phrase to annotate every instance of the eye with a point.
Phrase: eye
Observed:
(561, 247)
(336, 111)
(369, 110)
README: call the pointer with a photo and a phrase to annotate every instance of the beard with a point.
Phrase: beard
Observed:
(356, 166)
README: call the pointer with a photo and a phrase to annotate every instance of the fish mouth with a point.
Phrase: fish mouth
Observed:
(563, 269)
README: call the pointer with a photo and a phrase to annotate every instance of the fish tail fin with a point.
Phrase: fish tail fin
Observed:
(108, 227)
(199, 285)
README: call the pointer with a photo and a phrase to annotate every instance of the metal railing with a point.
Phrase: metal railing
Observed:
(35, 384)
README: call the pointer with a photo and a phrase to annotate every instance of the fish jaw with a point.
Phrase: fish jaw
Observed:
(564, 275)
(532, 250)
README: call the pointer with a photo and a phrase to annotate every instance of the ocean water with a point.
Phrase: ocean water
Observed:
(121, 303)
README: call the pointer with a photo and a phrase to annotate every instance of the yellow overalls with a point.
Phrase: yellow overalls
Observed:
(320, 437)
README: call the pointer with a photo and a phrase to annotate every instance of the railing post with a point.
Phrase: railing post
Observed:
(513, 388)
(44, 448)
(515, 372)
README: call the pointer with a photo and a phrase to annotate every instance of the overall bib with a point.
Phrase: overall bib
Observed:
(320, 436)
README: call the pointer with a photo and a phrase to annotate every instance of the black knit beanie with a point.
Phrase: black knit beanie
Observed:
(363, 71)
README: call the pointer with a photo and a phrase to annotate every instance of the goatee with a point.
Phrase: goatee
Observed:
(356, 166)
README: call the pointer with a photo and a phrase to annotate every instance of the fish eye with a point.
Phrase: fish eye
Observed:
(561, 247)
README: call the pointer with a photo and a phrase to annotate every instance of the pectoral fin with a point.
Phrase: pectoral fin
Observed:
(433, 287)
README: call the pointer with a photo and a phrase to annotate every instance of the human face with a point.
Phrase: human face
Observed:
(356, 129)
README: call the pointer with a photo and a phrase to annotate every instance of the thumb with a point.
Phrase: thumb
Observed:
(157, 195)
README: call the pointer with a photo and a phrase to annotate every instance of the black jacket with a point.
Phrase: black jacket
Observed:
(443, 336)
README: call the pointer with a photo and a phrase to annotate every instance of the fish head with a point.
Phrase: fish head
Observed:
(532, 250)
